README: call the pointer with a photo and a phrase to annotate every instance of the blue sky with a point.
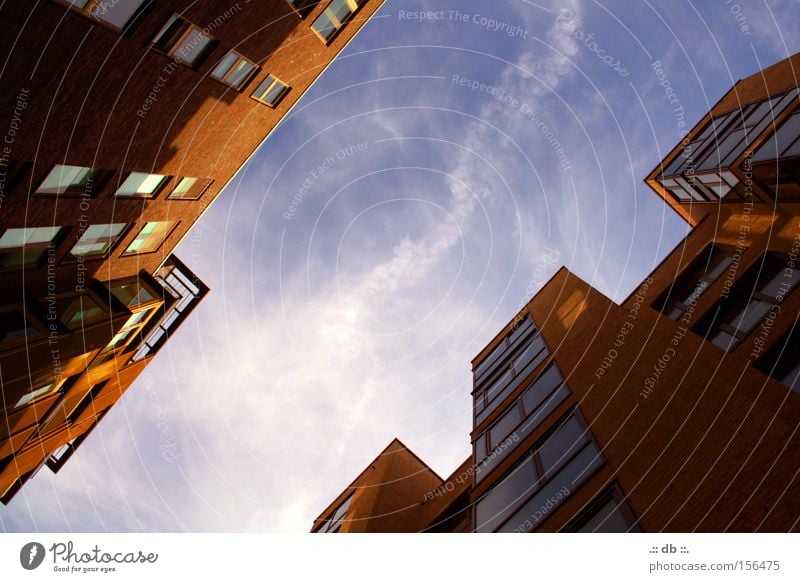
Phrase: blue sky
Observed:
(396, 220)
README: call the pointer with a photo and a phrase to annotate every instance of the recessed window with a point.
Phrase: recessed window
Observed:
(532, 408)
(150, 237)
(75, 310)
(334, 18)
(115, 13)
(132, 293)
(26, 246)
(693, 282)
(506, 368)
(66, 179)
(751, 300)
(270, 91)
(555, 469)
(97, 240)
(609, 512)
(15, 325)
(182, 40)
(700, 172)
(189, 188)
(234, 70)
(36, 393)
(141, 185)
(782, 361)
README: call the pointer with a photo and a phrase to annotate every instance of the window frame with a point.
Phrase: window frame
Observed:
(341, 23)
(275, 81)
(70, 258)
(746, 291)
(672, 301)
(245, 80)
(172, 52)
(44, 247)
(200, 187)
(545, 477)
(127, 253)
(86, 12)
(612, 493)
(69, 312)
(165, 178)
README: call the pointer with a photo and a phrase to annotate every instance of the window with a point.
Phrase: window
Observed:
(67, 180)
(753, 298)
(132, 293)
(74, 310)
(524, 415)
(776, 164)
(189, 189)
(334, 18)
(234, 70)
(141, 185)
(693, 282)
(506, 368)
(555, 469)
(607, 513)
(782, 361)
(15, 325)
(334, 524)
(26, 246)
(36, 393)
(97, 240)
(182, 40)
(270, 91)
(698, 173)
(150, 237)
(115, 13)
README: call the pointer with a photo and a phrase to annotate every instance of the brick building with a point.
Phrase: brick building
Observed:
(677, 409)
(121, 123)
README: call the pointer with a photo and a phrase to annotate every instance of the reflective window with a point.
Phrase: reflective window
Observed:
(116, 13)
(66, 179)
(693, 282)
(751, 300)
(97, 240)
(26, 246)
(189, 188)
(150, 237)
(234, 70)
(270, 91)
(141, 185)
(609, 512)
(334, 524)
(132, 293)
(782, 361)
(334, 18)
(555, 469)
(183, 40)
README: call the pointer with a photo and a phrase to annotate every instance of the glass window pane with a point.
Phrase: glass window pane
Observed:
(724, 340)
(782, 283)
(140, 184)
(193, 45)
(150, 237)
(240, 73)
(562, 444)
(503, 427)
(62, 178)
(116, 12)
(527, 356)
(34, 394)
(183, 187)
(506, 496)
(750, 315)
(541, 388)
(224, 65)
(608, 519)
(132, 294)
